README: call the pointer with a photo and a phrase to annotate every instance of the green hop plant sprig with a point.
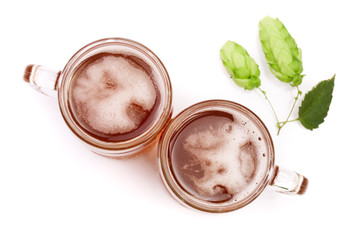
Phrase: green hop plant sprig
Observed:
(285, 62)
(242, 68)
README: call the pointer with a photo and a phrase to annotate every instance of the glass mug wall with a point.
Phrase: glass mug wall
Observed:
(218, 156)
(114, 94)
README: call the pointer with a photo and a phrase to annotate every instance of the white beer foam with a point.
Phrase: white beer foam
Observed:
(230, 158)
(105, 91)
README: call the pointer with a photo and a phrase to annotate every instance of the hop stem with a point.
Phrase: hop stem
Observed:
(272, 107)
(280, 125)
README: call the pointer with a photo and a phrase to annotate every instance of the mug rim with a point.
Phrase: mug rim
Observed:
(170, 181)
(127, 145)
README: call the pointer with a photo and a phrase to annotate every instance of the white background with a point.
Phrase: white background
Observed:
(53, 187)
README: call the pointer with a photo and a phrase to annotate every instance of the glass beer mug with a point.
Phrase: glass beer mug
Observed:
(114, 94)
(218, 156)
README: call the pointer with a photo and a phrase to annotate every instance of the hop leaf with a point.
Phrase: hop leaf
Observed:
(281, 51)
(241, 67)
(316, 103)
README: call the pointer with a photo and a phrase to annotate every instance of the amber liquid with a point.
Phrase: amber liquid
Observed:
(200, 160)
(143, 118)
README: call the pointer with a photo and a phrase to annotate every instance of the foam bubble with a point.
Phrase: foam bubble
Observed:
(228, 159)
(113, 95)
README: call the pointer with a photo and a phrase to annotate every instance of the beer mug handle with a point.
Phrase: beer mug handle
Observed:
(286, 181)
(42, 79)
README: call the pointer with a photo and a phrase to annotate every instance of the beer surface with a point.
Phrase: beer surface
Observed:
(218, 157)
(113, 96)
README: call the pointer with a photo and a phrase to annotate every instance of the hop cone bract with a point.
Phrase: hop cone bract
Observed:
(281, 51)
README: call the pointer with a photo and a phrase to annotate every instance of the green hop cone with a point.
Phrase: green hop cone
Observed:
(281, 51)
(241, 67)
